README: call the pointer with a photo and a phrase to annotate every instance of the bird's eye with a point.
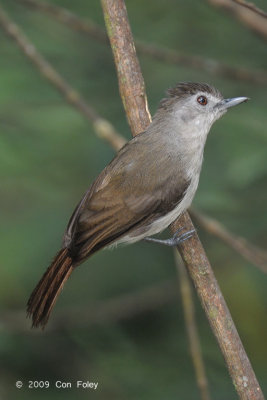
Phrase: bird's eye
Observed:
(202, 100)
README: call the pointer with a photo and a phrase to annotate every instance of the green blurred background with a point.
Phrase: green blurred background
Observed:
(49, 155)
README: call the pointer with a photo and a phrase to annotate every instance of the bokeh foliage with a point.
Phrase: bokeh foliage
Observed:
(49, 156)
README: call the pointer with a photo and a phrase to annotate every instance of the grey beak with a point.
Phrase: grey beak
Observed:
(227, 103)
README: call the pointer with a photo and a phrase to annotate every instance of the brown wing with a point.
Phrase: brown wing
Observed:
(124, 197)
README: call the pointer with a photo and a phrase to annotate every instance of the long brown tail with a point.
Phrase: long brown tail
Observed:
(45, 294)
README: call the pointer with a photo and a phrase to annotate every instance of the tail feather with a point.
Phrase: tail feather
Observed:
(44, 296)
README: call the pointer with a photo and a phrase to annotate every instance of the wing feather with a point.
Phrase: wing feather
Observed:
(123, 197)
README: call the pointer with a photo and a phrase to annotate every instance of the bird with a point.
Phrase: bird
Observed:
(149, 183)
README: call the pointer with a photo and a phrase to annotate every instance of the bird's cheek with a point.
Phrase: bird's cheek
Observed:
(219, 114)
(197, 122)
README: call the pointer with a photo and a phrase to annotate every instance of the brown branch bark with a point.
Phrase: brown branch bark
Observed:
(208, 65)
(102, 127)
(191, 328)
(131, 82)
(219, 317)
(192, 252)
(251, 7)
(253, 254)
(92, 29)
(68, 18)
(250, 19)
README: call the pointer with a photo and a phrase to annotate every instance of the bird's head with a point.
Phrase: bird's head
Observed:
(196, 105)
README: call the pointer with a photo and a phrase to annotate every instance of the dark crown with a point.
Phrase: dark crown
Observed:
(183, 89)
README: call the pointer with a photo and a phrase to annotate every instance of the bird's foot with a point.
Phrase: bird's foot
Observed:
(175, 240)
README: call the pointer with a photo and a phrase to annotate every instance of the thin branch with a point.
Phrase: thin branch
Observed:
(102, 127)
(148, 49)
(68, 18)
(251, 7)
(253, 254)
(250, 19)
(131, 82)
(192, 252)
(191, 327)
(219, 317)
(208, 65)
(123, 307)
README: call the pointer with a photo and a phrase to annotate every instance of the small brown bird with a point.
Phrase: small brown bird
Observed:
(149, 183)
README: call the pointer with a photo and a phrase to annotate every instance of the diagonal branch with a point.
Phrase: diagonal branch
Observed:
(250, 19)
(68, 18)
(219, 317)
(253, 254)
(192, 252)
(92, 29)
(208, 65)
(191, 327)
(102, 127)
(251, 7)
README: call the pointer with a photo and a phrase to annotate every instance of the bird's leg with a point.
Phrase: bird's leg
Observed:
(173, 241)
